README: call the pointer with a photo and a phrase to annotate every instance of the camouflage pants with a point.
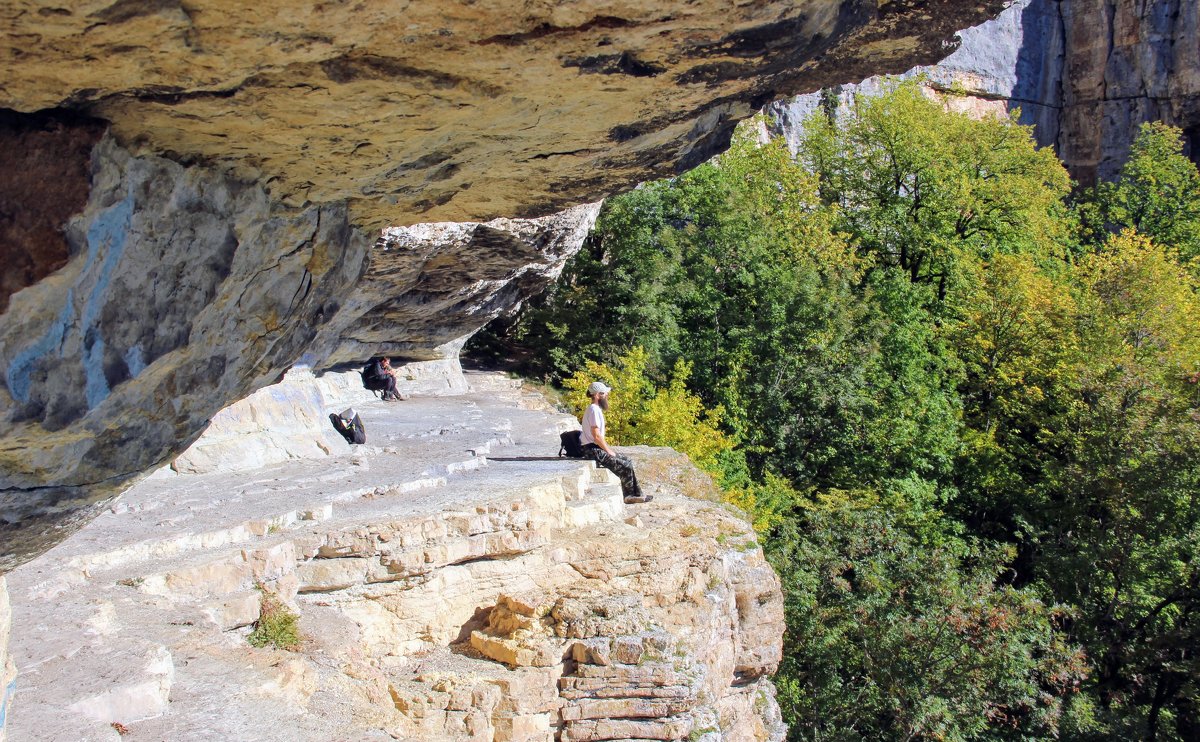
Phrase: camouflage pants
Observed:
(620, 465)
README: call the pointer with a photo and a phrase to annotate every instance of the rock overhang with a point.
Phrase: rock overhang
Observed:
(429, 111)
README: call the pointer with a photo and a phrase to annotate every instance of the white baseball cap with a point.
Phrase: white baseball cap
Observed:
(598, 387)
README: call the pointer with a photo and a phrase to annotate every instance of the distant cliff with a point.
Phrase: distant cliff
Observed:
(1085, 73)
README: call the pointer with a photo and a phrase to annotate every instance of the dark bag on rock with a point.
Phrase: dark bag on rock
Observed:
(572, 446)
(353, 431)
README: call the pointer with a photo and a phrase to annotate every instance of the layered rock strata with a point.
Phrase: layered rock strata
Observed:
(1084, 73)
(441, 595)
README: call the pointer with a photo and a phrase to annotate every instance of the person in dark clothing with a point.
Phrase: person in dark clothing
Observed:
(379, 376)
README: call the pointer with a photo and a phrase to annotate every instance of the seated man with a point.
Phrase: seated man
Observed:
(379, 376)
(598, 450)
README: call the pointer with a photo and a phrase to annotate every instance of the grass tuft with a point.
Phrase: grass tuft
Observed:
(276, 625)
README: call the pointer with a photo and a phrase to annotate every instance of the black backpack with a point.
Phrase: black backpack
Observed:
(572, 446)
(353, 432)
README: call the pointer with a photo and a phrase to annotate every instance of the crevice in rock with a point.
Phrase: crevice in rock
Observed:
(126, 10)
(45, 178)
(624, 63)
(545, 29)
(568, 153)
(357, 67)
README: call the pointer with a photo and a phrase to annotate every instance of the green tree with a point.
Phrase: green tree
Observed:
(930, 192)
(1118, 522)
(902, 633)
(1156, 194)
(1017, 341)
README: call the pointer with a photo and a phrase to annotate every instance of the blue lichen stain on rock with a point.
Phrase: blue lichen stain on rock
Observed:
(107, 238)
(4, 700)
(134, 361)
(18, 375)
(108, 234)
(96, 386)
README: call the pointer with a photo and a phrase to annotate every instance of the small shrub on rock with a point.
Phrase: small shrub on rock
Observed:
(276, 625)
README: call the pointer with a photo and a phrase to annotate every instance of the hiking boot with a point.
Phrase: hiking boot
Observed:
(635, 499)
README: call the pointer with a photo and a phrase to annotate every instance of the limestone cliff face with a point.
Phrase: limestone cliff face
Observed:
(1084, 73)
(198, 191)
(1125, 63)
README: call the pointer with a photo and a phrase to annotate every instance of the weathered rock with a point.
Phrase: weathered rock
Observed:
(47, 155)
(421, 112)
(1125, 63)
(186, 290)
(8, 670)
(136, 687)
(283, 421)
(428, 282)
(111, 368)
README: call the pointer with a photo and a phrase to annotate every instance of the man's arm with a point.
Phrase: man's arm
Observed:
(599, 438)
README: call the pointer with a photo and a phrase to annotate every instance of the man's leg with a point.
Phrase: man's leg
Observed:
(620, 465)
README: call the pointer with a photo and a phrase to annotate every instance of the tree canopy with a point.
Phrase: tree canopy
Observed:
(960, 403)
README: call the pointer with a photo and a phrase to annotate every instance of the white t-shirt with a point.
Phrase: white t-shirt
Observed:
(594, 416)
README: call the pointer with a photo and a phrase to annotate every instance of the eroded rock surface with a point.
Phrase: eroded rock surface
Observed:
(188, 290)
(427, 283)
(448, 586)
(256, 151)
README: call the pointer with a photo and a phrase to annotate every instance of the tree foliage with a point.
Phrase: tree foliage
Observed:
(961, 405)
(931, 193)
(893, 635)
(1156, 194)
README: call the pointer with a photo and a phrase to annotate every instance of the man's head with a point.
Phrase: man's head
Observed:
(598, 391)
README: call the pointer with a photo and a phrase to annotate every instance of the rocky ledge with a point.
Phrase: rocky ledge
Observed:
(453, 580)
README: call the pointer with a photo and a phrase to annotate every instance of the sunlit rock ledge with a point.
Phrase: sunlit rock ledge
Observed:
(454, 580)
